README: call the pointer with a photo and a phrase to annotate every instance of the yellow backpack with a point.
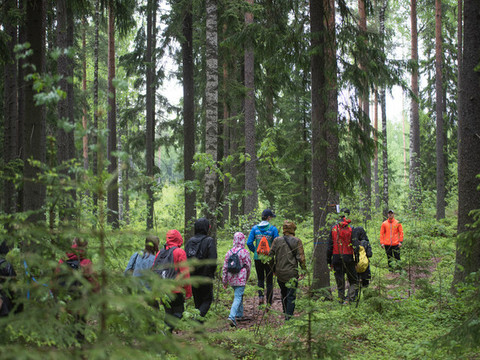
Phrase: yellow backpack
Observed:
(362, 264)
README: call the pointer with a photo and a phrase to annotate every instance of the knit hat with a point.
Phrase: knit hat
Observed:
(289, 227)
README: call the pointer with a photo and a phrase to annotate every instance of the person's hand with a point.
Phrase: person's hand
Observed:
(383, 246)
(330, 266)
(399, 245)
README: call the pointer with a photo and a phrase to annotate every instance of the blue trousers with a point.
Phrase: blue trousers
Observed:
(237, 306)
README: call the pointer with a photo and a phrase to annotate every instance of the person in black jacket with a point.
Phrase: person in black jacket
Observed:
(202, 247)
(361, 236)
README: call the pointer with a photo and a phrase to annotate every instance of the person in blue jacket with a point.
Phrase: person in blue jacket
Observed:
(264, 269)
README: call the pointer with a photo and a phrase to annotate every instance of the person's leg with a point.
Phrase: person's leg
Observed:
(388, 251)
(283, 292)
(203, 297)
(269, 272)
(259, 267)
(290, 300)
(352, 281)
(174, 309)
(237, 301)
(396, 252)
(340, 280)
(239, 292)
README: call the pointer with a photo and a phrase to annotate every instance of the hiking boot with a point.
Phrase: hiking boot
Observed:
(260, 300)
(242, 318)
(232, 323)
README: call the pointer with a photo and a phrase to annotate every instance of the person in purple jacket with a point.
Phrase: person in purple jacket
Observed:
(235, 279)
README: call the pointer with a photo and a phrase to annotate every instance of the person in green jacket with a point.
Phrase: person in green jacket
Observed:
(287, 252)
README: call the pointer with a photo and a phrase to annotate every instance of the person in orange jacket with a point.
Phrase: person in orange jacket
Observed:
(391, 238)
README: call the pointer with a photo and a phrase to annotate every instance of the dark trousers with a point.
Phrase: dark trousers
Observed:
(289, 294)
(341, 269)
(264, 271)
(174, 309)
(203, 298)
(393, 252)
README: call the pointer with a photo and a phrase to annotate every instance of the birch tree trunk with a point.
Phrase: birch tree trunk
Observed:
(211, 116)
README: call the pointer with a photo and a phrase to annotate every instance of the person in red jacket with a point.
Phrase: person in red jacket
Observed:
(177, 299)
(391, 238)
(340, 258)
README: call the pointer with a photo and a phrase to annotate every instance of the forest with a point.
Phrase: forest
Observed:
(124, 122)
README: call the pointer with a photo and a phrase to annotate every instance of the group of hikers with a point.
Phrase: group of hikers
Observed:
(347, 256)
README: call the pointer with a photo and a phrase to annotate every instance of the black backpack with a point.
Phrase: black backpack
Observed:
(68, 286)
(192, 249)
(233, 263)
(163, 264)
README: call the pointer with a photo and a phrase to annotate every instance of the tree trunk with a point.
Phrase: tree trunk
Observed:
(321, 277)
(375, 157)
(112, 196)
(211, 114)
(440, 143)
(10, 111)
(65, 108)
(383, 104)
(468, 244)
(34, 127)
(150, 112)
(365, 106)
(226, 146)
(414, 178)
(251, 185)
(188, 120)
(96, 154)
(84, 89)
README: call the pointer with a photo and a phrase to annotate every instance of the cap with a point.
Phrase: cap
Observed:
(267, 213)
(345, 210)
(391, 211)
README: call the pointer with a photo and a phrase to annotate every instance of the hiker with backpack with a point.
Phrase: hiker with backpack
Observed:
(202, 247)
(341, 255)
(259, 242)
(67, 288)
(364, 255)
(142, 261)
(170, 263)
(76, 260)
(235, 272)
(287, 253)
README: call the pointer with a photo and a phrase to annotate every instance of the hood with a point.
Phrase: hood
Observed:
(263, 224)
(76, 253)
(174, 238)
(239, 240)
(202, 226)
(345, 222)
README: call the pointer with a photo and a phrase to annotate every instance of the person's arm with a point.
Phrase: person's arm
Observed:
(130, 266)
(273, 248)
(248, 263)
(224, 269)
(251, 239)
(382, 234)
(301, 255)
(400, 233)
(329, 249)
